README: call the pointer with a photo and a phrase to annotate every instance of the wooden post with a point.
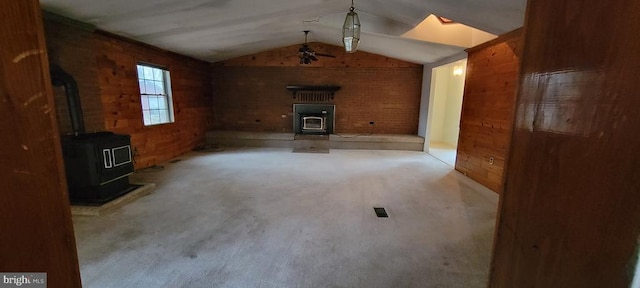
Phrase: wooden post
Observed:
(36, 232)
(570, 212)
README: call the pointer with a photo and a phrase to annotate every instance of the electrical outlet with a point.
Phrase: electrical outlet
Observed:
(491, 160)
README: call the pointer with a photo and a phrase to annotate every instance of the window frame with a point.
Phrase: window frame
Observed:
(167, 95)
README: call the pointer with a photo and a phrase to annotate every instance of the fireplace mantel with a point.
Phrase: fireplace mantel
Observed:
(328, 90)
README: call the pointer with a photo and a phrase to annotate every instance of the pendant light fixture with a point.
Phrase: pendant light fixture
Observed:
(351, 31)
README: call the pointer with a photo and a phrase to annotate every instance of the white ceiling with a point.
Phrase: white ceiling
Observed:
(214, 30)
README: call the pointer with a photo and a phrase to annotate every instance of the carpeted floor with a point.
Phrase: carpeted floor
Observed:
(443, 152)
(266, 217)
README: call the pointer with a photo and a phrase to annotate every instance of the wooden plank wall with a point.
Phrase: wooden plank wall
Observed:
(36, 233)
(487, 109)
(570, 212)
(250, 92)
(190, 82)
(104, 65)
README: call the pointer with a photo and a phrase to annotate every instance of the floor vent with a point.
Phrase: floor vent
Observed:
(380, 212)
(175, 160)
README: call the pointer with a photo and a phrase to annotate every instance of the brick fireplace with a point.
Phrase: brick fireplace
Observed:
(250, 92)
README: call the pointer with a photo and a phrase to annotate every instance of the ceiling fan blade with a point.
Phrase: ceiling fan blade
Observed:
(325, 55)
(305, 53)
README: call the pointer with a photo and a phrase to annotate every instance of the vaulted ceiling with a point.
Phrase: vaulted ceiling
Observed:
(214, 30)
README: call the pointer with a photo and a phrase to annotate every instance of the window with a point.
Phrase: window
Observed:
(155, 95)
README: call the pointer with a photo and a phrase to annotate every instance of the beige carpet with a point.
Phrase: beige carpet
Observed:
(443, 152)
(267, 217)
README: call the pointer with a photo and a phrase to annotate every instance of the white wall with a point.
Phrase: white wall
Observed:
(447, 93)
(453, 108)
(426, 98)
(440, 81)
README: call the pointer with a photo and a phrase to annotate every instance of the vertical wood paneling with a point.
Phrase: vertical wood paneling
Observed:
(570, 212)
(36, 233)
(250, 92)
(487, 109)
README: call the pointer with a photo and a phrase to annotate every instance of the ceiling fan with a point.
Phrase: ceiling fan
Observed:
(307, 54)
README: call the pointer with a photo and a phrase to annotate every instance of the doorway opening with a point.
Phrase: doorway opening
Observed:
(447, 89)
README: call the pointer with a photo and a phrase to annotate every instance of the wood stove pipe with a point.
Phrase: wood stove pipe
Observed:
(61, 78)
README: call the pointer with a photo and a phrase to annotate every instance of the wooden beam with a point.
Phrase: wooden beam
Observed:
(35, 217)
(570, 212)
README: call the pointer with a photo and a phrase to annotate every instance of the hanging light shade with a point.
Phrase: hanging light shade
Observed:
(351, 31)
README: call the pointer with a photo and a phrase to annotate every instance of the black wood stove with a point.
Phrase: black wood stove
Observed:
(97, 165)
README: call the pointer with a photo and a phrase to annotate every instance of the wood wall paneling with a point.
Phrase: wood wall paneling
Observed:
(487, 111)
(250, 92)
(191, 88)
(570, 212)
(104, 65)
(35, 216)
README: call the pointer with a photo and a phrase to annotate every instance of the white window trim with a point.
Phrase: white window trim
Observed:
(166, 75)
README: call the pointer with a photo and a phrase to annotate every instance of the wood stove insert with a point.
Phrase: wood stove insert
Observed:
(313, 118)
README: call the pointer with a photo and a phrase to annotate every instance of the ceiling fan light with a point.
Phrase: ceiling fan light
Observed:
(351, 31)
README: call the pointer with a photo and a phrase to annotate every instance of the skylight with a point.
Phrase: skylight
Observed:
(438, 29)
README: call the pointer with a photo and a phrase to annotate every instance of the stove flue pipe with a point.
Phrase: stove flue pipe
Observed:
(61, 78)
